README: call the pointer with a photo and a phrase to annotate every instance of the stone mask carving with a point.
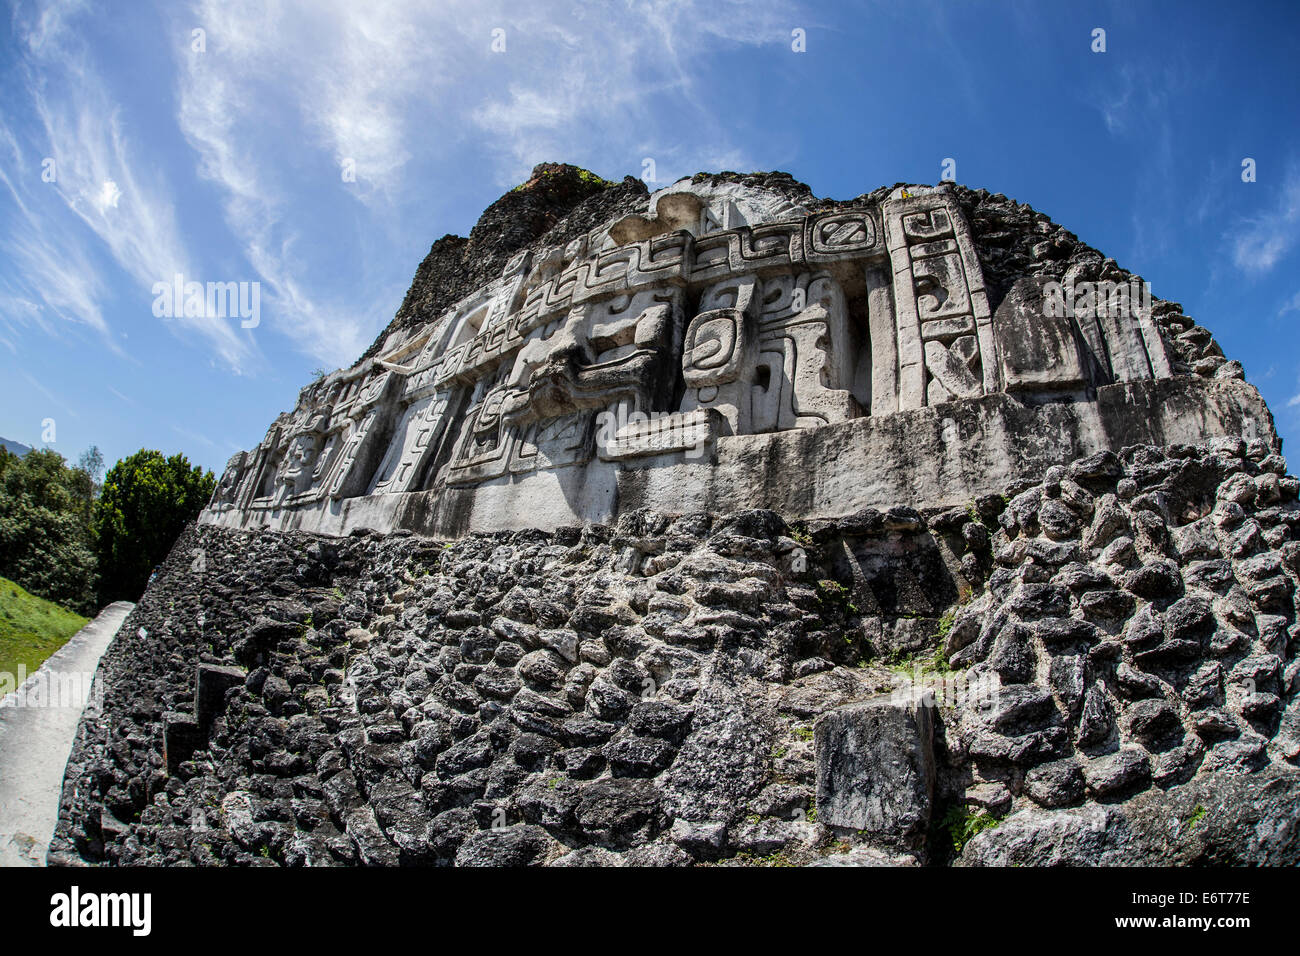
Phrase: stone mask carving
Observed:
(600, 353)
(230, 479)
(296, 472)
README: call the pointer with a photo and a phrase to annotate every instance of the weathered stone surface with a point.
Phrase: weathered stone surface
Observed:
(520, 845)
(1119, 773)
(1057, 784)
(1213, 821)
(181, 737)
(1038, 350)
(811, 339)
(724, 481)
(876, 769)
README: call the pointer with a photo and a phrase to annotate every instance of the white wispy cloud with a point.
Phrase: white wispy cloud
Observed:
(67, 283)
(380, 84)
(54, 403)
(346, 69)
(623, 67)
(98, 180)
(194, 436)
(17, 311)
(1261, 242)
(125, 398)
(108, 196)
(56, 283)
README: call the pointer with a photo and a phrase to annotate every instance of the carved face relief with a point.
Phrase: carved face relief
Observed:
(597, 354)
(298, 461)
(230, 479)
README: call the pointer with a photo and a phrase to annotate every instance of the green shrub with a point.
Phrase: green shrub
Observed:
(146, 503)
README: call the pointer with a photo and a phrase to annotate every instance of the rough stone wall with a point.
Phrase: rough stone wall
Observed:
(1015, 241)
(1140, 627)
(1085, 661)
(557, 204)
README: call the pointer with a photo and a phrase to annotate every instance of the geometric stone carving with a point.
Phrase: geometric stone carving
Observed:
(691, 348)
(414, 438)
(540, 410)
(720, 343)
(367, 411)
(782, 364)
(942, 312)
(720, 352)
(804, 344)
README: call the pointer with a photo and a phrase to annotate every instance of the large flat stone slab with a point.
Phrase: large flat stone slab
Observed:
(875, 767)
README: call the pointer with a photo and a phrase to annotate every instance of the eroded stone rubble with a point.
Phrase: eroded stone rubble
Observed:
(1122, 686)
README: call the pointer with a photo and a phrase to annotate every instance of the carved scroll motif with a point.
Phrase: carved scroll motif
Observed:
(944, 327)
(421, 424)
(720, 350)
(776, 356)
(715, 348)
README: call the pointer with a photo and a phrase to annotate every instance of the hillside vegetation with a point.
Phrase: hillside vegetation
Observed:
(69, 539)
(31, 628)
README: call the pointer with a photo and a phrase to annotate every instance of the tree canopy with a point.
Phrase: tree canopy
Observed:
(46, 527)
(146, 501)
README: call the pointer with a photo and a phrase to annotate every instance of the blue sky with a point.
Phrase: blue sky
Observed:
(226, 164)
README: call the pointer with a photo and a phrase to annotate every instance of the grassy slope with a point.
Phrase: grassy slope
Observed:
(31, 628)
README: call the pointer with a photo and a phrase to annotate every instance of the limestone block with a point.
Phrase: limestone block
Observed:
(691, 432)
(1038, 352)
(876, 767)
(211, 682)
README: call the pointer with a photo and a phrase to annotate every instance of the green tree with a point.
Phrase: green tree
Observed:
(46, 538)
(89, 471)
(146, 501)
